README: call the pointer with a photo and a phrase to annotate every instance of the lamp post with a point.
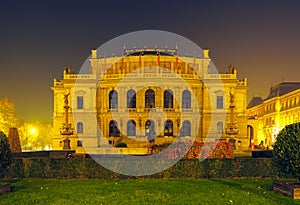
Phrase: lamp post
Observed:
(30, 132)
(66, 129)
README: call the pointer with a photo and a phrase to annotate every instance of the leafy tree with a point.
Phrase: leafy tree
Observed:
(286, 153)
(7, 116)
(5, 153)
(35, 135)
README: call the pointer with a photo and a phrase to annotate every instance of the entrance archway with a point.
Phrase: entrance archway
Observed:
(250, 134)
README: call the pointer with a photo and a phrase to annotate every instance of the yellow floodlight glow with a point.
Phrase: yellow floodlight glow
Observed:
(32, 131)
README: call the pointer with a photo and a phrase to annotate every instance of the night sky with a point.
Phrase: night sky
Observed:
(39, 38)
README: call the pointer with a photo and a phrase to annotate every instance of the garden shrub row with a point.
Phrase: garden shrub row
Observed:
(87, 168)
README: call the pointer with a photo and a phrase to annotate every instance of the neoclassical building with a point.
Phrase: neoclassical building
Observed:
(147, 95)
(268, 116)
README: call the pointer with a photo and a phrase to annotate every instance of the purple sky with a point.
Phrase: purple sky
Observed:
(39, 38)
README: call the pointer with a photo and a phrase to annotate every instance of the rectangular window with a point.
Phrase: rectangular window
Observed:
(80, 102)
(219, 102)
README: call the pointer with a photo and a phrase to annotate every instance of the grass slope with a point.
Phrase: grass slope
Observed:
(179, 191)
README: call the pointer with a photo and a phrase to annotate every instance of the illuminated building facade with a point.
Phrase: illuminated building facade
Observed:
(267, 117)
(150, 91)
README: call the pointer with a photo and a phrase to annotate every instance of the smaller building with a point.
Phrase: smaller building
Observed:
(266, 117)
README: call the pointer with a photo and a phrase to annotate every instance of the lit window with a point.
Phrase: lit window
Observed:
(80, 102)
(219, 102)
(168, 128)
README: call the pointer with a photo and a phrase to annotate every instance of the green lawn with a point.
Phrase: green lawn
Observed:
(177, 191)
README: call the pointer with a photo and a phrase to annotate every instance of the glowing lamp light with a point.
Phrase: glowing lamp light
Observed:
(32, 131)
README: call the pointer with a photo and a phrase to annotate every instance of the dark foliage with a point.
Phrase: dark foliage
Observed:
(5, 153)
(286, 152)
(87, 168)
(121, 144)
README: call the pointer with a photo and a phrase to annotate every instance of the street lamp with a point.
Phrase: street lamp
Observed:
(30, 131)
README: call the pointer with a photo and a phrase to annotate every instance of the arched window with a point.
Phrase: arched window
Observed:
(131, 99)
(186, 128)
(113, 99)
(131, 128)
(79, 127)
(168, 99)
(186, 99)
(219, 128)
(149, 99)
(168, 128)
(113, 129)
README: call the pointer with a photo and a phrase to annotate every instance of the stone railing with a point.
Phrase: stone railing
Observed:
(220, 76)
(149, 75)
(78, 76)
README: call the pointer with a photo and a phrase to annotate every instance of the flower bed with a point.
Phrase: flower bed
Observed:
(200, 150)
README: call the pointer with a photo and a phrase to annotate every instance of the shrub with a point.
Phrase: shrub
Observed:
(223, 149)
(5, 153)
(87, 168)
(286, 151)
(121, 144)
(15, 169)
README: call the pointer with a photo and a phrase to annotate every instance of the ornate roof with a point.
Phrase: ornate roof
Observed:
(255, 101)
(282, 89)
(275, 91)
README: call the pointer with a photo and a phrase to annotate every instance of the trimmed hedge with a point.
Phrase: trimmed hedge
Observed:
(5, 153)
(87, 168)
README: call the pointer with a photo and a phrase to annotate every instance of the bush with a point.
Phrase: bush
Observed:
(121, 144)
(223, 149)
(286, 151)
(15, 169)
(5, 154)
(87, 168)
